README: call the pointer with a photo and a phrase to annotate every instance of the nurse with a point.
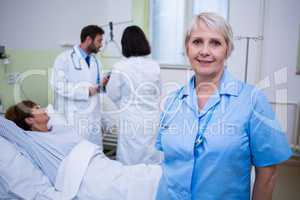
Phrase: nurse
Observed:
(134, 86)
(214, 129)
(76, 83)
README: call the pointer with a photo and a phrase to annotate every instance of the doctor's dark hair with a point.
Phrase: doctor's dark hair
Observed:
(92, 31)
(134, 42)
(19, 112)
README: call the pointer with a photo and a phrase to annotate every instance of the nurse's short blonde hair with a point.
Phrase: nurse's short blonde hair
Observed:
(214, 22)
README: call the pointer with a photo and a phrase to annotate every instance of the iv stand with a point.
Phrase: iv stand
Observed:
(247, 38)
(111, 34)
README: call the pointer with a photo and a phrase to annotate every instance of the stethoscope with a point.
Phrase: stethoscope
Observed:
(164, 114)
(199, 137)
(81, 63)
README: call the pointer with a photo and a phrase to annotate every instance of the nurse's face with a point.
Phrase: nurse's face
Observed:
(96, 44)
(206, 50)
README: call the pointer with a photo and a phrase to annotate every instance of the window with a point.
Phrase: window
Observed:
(169, 20)
(167, 30)
(217, 6)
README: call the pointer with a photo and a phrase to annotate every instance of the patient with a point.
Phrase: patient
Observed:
(29, 116)
(103, 178)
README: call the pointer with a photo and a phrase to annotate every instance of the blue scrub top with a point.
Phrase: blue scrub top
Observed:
(235, 130)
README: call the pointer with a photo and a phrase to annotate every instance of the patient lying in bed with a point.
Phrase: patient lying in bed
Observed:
(76, 167)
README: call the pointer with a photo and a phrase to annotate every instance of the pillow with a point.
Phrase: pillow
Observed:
(19, 178)
(109, 116)
(56, 117)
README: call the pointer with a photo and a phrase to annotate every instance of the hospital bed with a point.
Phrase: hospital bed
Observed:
(19, 178)
(85, 173)
(80, 176)
(109, 124)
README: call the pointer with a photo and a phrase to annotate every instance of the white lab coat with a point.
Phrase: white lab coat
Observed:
(134, 86)
(70, 81)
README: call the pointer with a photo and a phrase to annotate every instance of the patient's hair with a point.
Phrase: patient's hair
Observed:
(19, 112)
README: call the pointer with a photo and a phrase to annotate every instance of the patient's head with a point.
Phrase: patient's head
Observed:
(28, 116)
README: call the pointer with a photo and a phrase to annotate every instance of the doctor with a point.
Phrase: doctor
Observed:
(76, 83)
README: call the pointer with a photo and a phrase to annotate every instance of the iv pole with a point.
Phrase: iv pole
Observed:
(247, 38)
(111, 34)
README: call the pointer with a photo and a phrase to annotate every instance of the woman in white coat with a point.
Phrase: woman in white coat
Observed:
(134, 86)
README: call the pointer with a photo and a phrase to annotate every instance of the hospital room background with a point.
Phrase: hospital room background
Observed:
(266, 39)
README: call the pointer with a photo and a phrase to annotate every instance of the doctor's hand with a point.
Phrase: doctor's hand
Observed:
(93, 90)
(105, 79)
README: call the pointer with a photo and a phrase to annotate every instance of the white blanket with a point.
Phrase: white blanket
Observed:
(73, 168)
(88, 174)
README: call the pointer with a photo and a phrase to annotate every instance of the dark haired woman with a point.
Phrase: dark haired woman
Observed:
(29, 116)
(134, 86)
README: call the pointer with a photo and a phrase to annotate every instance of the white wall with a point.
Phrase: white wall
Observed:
(275, 57)
(280, 48)
(279, 57)
(46, 24)
(245, 18)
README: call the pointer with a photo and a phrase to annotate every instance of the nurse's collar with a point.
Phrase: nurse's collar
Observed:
(228, 86)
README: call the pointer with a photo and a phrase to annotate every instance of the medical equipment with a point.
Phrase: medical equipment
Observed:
(168, 108)
(80, 63)
(3, 55)
(111, 33)
(111, 48)
(247, 38)
(199, 138)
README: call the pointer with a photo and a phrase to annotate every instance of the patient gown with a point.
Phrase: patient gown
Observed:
(104, 179)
